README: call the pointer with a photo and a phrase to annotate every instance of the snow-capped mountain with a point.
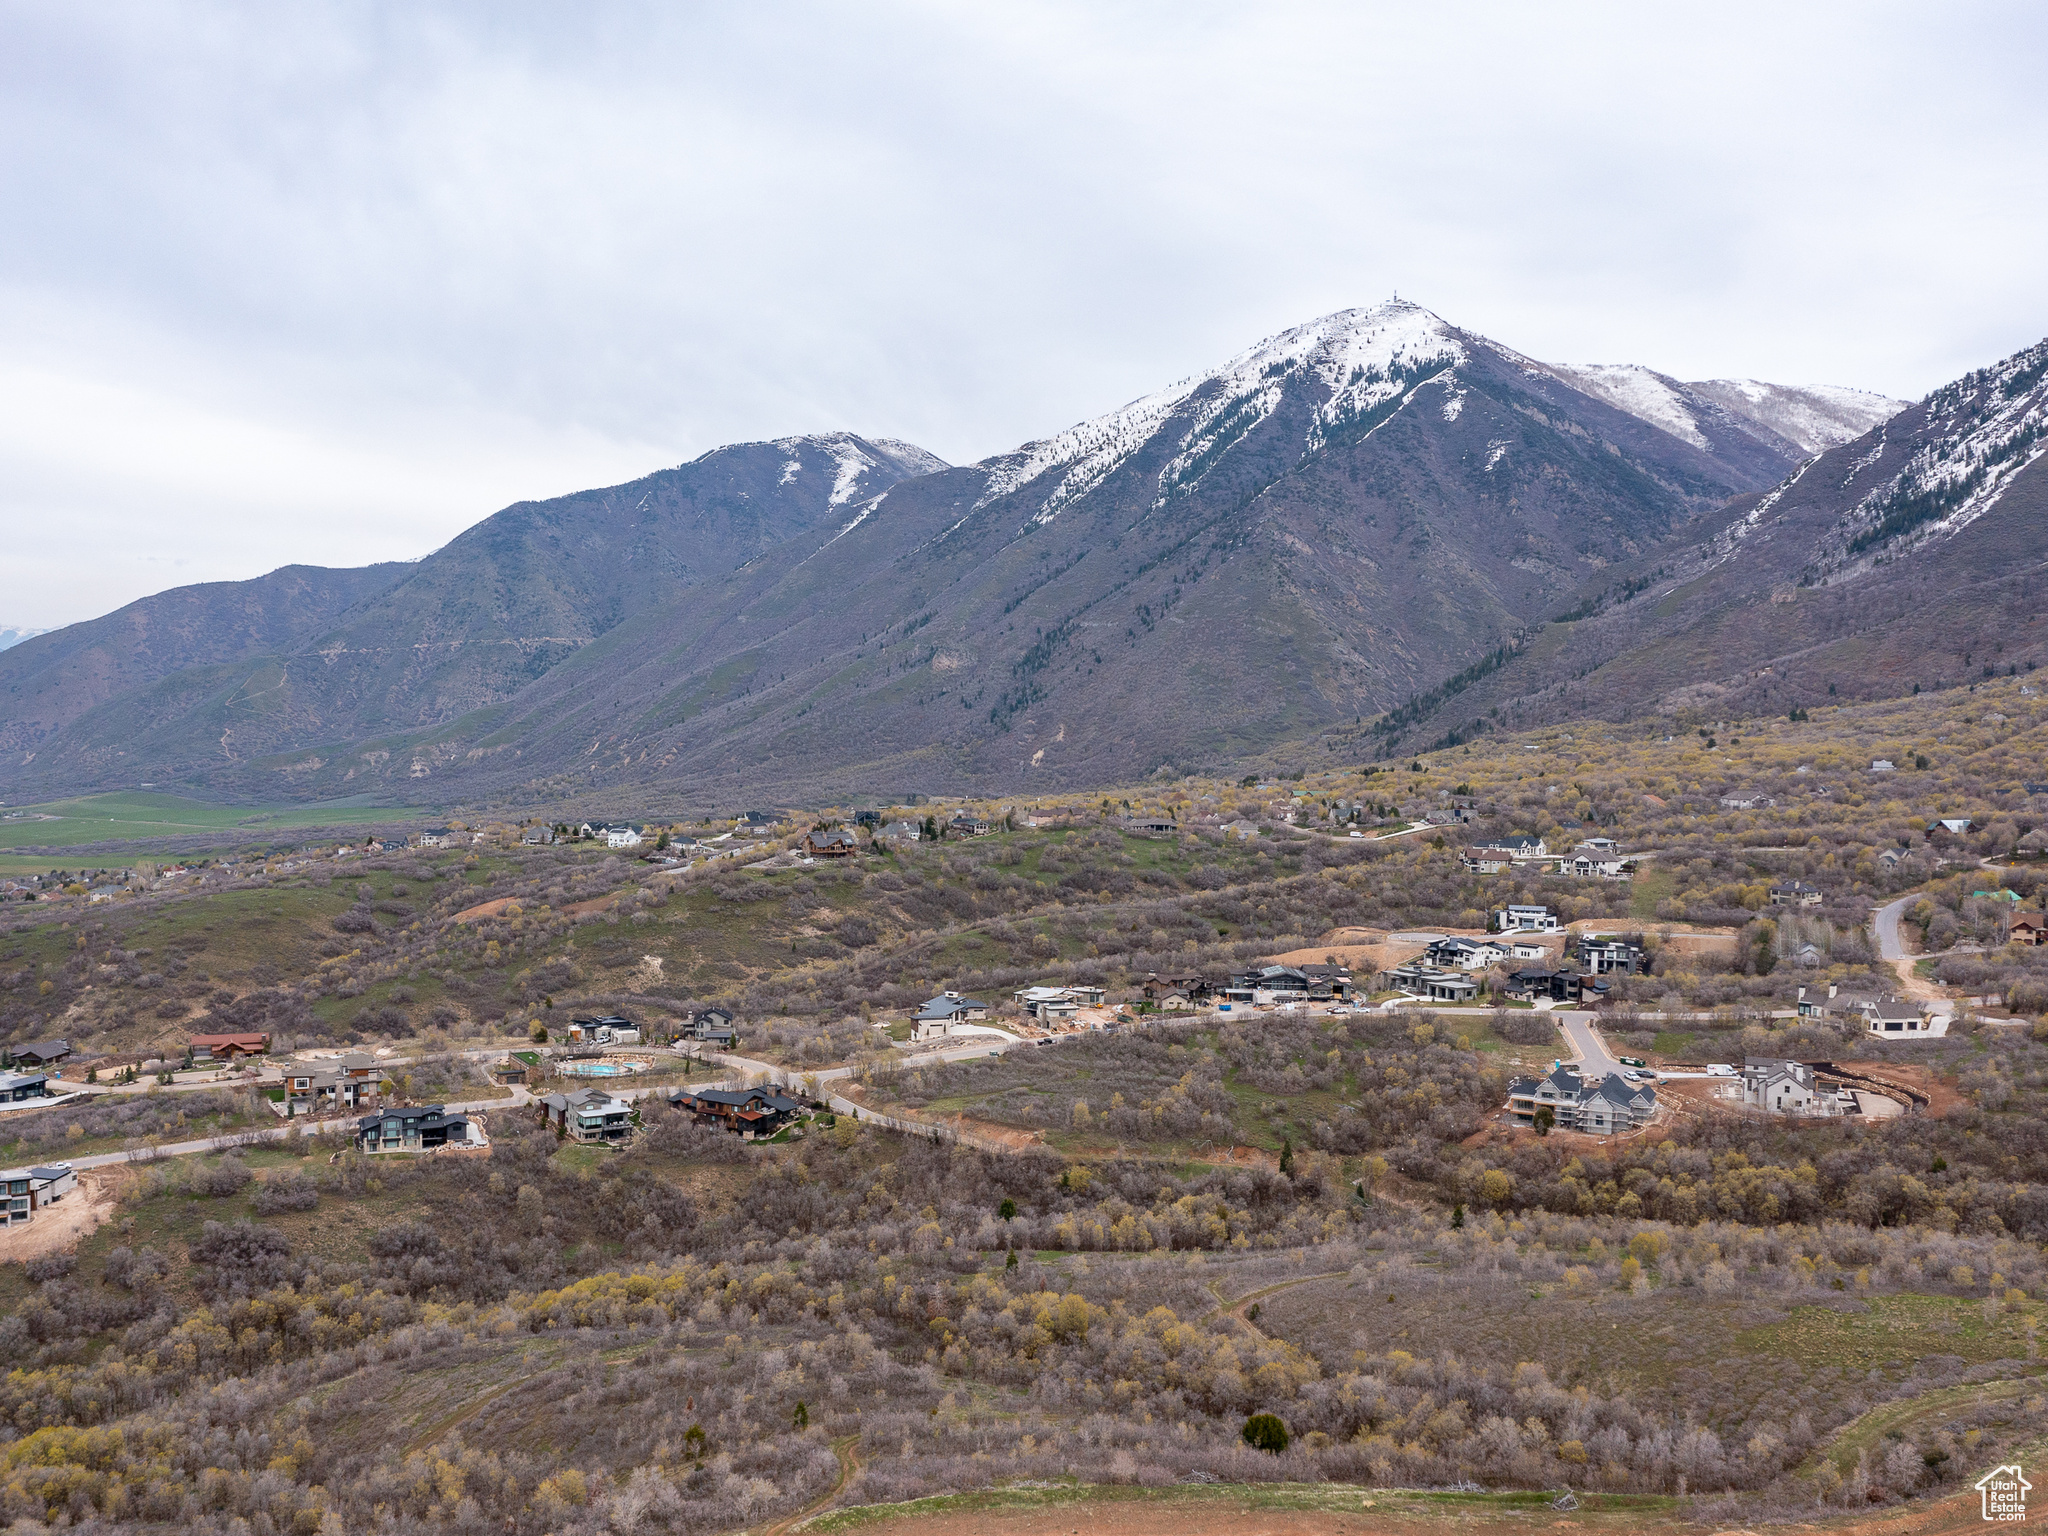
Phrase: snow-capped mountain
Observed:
(1800, 419)
(9, 637)
(1360, 360)
(1309, 533)
(1906, 557)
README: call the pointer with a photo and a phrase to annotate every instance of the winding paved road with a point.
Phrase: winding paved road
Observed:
(1885, 920)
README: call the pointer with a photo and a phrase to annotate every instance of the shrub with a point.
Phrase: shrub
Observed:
(1265, 1432)
(229, 1176)
(289, 1191)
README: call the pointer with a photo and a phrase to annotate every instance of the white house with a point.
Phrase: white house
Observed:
(1520, 919)
(622, 835)
(1785, 1087)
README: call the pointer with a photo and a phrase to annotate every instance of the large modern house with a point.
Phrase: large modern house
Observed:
(415, 1128)
(752, 1112)
(1612, 1104)
(588, 1114)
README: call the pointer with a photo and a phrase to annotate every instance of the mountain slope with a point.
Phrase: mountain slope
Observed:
(1292, 541)
(1298, 537)
(1714, 414)
(50, 680)
(335, 656)
(1913, 555)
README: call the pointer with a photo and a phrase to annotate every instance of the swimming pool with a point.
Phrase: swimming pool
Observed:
(601, 1068)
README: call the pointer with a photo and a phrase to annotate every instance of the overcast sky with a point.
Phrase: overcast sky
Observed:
(329, 283)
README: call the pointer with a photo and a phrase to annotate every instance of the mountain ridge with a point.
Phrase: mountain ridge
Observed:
(1300, 537)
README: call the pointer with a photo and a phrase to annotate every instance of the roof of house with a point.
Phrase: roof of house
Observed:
(9, 1081)
(584, 1098)
(43, 1050)
(838, 837)
(424, 1114)
(745, 1098)
(948, 1004)
(244, 1040)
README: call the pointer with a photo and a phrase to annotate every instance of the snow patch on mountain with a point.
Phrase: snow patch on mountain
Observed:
(1815, 416)
(1980, 433)
(1642, 393)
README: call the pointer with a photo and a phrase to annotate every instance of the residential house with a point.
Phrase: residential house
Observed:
(1790, 1088)
(1795, 893)
(1428, 982)
(340, 1082)
(1456, 954)
(2028, 928)
(41, 1053)
(20, 1087)
(1616, 1105)
(1157, 824)
(537, 835)
(588, 1115)
(1746, 800)
(1535, 985)
(835, 844)
(752, 1112)
(901, 832)
(757, 823)
(610, 1029)
(1558, 1092)
(1882, 765)
(621, 834)
(415, 1128)
(1521, 846)
(1599, 845)
(1610, 954)
(1327, 983)
(1589, 866)
(1808, 957)
(868, 819)
(1240, 829)
(966, 825)
(1486, 861)
(1601, 1109)
(952, 1008)
(1892, 1018)
(229, 1047)
(1526, 919)
(1836, 1002)
(434, 837)
(1192, 986)
(1889, 858)
(1269, 984)
(1956, 824)
(1048, 1005)
(712, 1026)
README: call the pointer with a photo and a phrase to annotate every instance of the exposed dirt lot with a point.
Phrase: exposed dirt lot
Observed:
(63, 1226)
(1230, 1512)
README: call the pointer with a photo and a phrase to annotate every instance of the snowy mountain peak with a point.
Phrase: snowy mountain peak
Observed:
(1358, 358)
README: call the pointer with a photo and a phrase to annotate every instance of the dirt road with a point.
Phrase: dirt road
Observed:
(1238, 1511)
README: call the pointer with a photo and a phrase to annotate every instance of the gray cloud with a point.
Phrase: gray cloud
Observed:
(330, 283)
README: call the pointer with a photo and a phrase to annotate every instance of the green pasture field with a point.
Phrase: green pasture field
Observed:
(137, 815)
